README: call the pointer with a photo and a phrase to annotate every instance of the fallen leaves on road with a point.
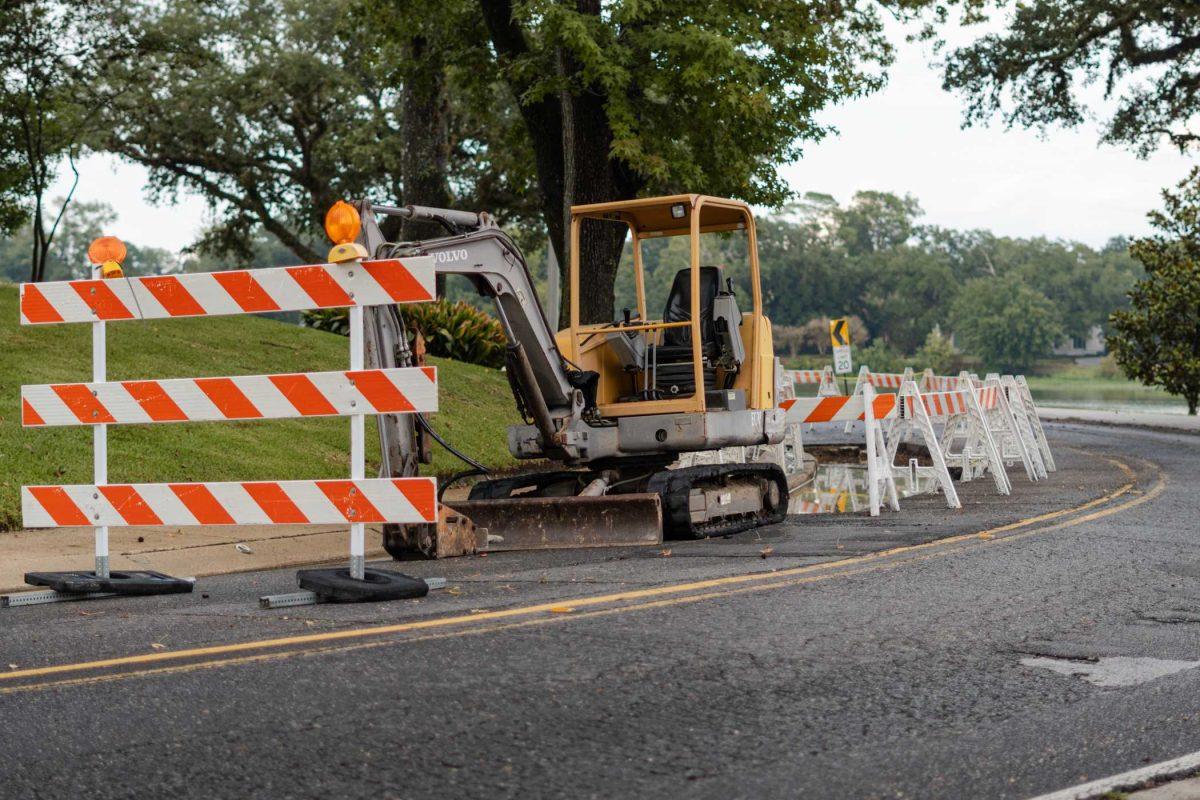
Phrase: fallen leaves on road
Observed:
(665, 553)
(766, 551)
(158, 646)
(454, 590)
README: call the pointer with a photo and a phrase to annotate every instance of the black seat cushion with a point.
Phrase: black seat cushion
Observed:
(679, 309)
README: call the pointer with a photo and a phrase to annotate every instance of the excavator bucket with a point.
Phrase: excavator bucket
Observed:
(469, 527)
(542, 523)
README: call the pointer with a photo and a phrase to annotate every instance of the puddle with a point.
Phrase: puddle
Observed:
(1114, 671)
(842, 488)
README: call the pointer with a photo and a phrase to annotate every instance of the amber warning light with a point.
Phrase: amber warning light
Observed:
(107, 253)
(342, 225)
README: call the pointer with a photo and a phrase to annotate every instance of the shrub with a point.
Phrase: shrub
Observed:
(881, 358)
(451, 330)
(937, 353)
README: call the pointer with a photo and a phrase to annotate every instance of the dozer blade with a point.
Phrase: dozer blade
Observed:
(545, 523)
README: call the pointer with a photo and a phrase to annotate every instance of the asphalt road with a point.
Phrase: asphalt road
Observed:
(833, 657)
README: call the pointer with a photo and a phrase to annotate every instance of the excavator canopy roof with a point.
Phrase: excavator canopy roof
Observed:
(670, 216)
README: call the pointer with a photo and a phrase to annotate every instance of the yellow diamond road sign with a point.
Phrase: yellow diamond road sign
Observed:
(839, 332)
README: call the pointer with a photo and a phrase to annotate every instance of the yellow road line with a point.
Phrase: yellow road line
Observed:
(557, 618)
(766, 579)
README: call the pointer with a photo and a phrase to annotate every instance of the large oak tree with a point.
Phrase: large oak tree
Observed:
(645, 96)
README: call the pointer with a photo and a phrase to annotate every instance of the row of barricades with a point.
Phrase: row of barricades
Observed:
(977, 426)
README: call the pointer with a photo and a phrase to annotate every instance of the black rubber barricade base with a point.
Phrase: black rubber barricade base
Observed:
(131, 582)
(336, 585)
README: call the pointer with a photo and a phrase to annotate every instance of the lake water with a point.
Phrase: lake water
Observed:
(1109, 398)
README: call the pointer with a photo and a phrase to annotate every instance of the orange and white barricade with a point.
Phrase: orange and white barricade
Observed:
(352, 393)
(914, 419)
(1019, 394)
(871, 409)
(1013, 429)
(823, 378)
(969, 437)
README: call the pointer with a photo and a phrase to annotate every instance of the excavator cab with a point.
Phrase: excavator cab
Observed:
(710, 347)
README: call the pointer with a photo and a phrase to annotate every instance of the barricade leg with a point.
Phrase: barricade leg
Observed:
(864, 379)
(1036, 423)
(983, 438)
(1023, 425)
(919, 418)
(879, 472)
(1012, 444)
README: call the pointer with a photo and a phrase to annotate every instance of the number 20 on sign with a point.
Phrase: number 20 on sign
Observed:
(839, 335)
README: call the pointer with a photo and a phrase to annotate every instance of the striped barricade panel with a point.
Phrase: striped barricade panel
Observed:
(886, 380)
(375, 500)
(805, 376)
(366, 283)
(312, 394)
(939, 405)
(835, 409)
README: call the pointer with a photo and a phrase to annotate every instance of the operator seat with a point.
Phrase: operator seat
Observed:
(674, 373)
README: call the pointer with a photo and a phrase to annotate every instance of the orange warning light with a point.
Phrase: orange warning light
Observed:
(342, 223)
(106, 248)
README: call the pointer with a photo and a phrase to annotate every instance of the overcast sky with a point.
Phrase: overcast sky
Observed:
(906, 138)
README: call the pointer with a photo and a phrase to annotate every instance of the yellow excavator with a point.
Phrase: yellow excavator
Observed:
(611, 405)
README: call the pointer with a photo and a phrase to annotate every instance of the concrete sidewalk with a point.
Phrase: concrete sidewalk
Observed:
(182, 552)
(1137, 419)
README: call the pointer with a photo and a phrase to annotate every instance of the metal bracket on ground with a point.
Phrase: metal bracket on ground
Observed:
(40, 597)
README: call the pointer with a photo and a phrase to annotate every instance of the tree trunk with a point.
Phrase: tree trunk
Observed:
(596, 176)
(37, 267)
(425, 115)
(1192, 401)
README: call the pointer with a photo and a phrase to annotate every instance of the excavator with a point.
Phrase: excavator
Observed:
(607, 408)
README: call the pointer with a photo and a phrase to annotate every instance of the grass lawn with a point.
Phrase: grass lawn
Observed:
(1067, 375)
(476, 406)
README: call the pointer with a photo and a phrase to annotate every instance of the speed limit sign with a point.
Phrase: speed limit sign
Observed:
(839, 335)
(841, 360)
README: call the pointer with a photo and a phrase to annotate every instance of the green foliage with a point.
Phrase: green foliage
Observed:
(1034, 71)
(459, 331)
(1157, 340)
(672, 74)
(937, 353)
(880, 357)
(49, 53)
(475, 406)
(452, 330)
(1005, 322)
(876, 221)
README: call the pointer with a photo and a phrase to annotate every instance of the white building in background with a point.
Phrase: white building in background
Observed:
(1075, 347)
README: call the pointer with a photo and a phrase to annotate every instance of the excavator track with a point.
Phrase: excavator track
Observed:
(719, 499)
